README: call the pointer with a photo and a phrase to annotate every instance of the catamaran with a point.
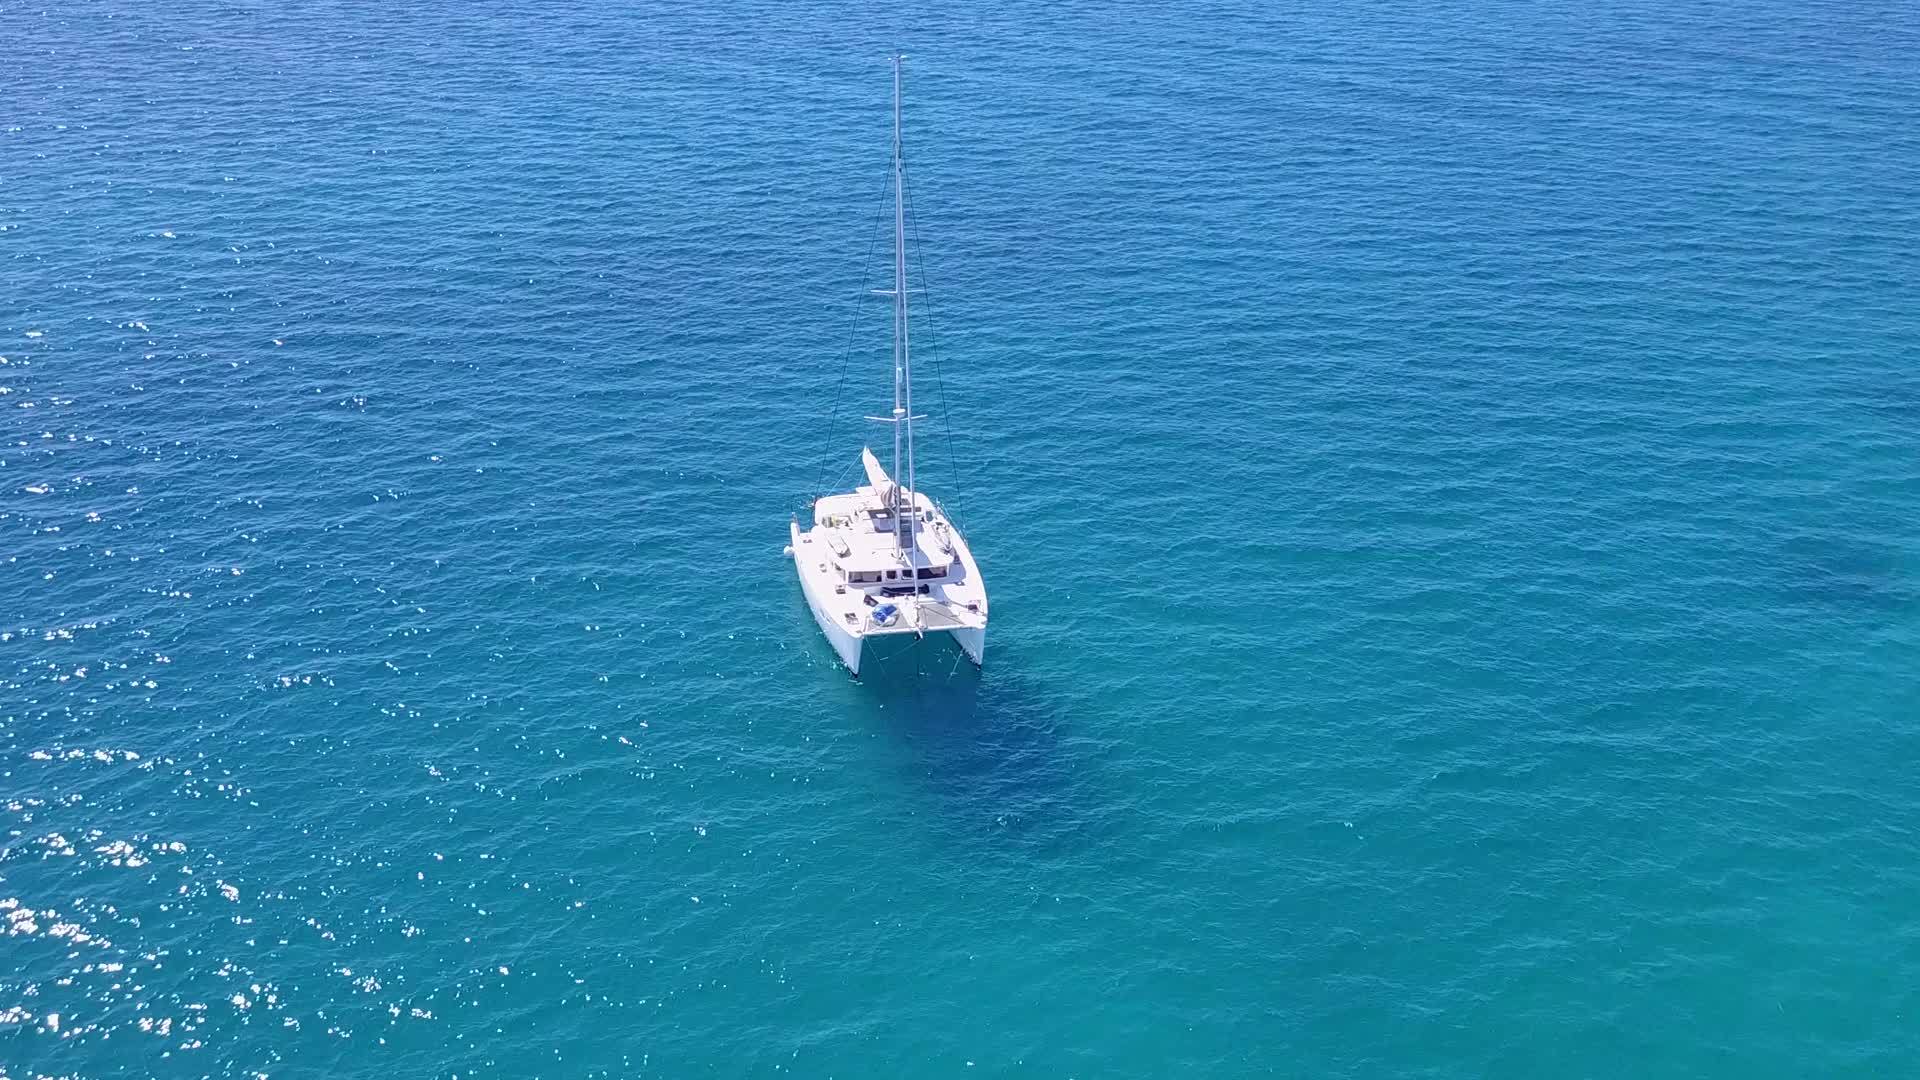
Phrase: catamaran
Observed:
(884, 559)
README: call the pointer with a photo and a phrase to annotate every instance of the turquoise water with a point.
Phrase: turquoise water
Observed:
(1447, 475)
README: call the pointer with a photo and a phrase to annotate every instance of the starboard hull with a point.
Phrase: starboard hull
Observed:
(974, 644)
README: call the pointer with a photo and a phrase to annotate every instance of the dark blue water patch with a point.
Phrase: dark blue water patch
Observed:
(994, 752)
(1850, 572)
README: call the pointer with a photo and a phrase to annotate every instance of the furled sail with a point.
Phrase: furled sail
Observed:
(882, 484)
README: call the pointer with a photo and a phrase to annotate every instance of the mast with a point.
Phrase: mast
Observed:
(904, 524)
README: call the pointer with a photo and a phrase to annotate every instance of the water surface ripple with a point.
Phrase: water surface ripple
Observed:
(1447, 474)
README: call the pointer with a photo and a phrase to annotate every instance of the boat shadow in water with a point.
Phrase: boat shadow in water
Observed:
(992, 750)
(1845, 571)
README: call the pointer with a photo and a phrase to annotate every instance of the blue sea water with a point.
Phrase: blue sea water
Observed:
(1448, 475)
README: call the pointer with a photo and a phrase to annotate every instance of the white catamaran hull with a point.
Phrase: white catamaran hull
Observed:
(973, 643)
(849, 643)
(844, 641)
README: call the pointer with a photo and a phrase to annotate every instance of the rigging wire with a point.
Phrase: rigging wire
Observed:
(933, 337)
(846, 354)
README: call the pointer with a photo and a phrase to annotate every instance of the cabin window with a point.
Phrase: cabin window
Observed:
(891, 574)
(933, 572)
